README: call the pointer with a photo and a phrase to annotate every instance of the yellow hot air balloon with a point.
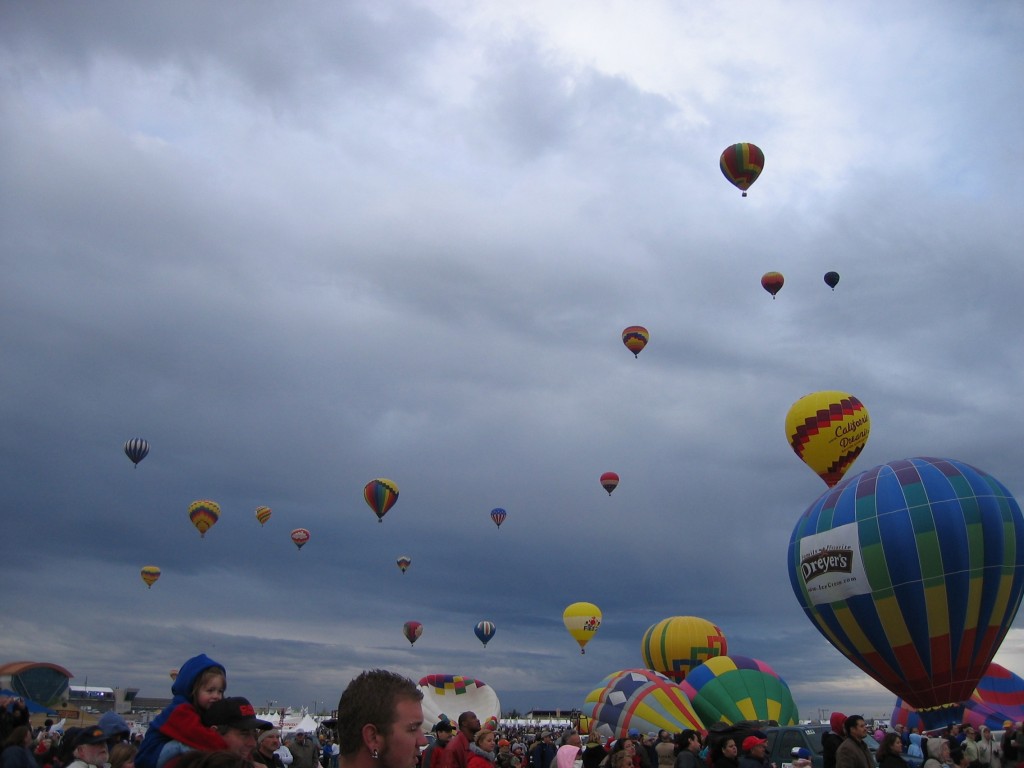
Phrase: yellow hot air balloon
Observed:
(676, 645)
(828, 430)
(204, 514)
(150, 574)
(582, 620)
(263, 514)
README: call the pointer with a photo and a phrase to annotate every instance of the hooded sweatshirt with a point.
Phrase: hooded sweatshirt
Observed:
(113, 725)
(934, 752)
(186, 719)
(830, 741)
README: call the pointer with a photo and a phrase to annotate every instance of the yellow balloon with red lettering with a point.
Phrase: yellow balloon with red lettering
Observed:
(828, 430)
(582, 620)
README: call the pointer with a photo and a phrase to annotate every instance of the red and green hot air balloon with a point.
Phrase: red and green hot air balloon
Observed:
(741, 164)
(381, 494)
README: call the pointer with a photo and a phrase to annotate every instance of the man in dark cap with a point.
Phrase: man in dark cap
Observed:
(89, 748)
(442, 735)
(234, 718)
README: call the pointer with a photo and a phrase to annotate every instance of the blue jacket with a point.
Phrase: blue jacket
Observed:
(154, 741)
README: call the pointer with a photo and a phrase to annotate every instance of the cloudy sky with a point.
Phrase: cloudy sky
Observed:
(300, 246)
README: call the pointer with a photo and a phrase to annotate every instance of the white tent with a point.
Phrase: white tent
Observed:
(293, 723)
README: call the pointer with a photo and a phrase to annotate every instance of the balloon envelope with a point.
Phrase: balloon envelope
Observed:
(609, 481)
(635, 337)
(412, 631)
(404, 562)
(674, 646)
(204, 514)
(498, 515)
(381, 494)
(772, 282)
(913, 570)
(299, 537)
(832, 279)
(485, 631)
(452, 695)
(734, 688)
(641, 699)
(741, 164)
(999, 697)
(136, 449)
(582, 620)
(828, 430)
(150, 574)
(263, 514)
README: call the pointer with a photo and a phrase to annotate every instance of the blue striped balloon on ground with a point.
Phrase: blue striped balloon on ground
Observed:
(641, 699)
(914, 570)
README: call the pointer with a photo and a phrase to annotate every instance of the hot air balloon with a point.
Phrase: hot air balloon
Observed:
(174, 674)
(412, 631)
(914, 570)
(381, 494)
(582, 620)
(299, 537)
(741, 164)
(832, 279)
(772, 282)
(263, 514)
(485, 631)
(828, 430)
(456, 693)
(404, 562)
(641, 699)
(609, 481)
(635, 338)
(150, 574)
(204, 515)
(498, 515)
(734, 688)
(676, 645)
(999, 697)
(136, 449)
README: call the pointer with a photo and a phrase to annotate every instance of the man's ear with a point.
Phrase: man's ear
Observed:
(372, 738)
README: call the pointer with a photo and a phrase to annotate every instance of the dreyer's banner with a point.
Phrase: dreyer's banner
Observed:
(831, 565)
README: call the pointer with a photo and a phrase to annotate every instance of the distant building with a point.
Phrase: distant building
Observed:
(45, 684)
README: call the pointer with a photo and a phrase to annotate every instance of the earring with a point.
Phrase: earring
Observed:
(374, 754)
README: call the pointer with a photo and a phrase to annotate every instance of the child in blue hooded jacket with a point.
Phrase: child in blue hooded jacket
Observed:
(179, 728)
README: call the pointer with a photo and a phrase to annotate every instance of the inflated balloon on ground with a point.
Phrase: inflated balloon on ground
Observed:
(914, 570)
(641, 699)
(676, 645)
(451, 695)
(734, 688)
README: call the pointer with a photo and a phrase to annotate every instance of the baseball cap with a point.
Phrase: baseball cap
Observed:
(752, 741)
(234, 712)
(800, 753)
(633, 733)
(94, 735)
(444, 725)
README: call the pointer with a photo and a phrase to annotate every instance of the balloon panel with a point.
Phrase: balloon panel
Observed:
(642, 699)
(735, 688)
(451, 695)
(828, 430)
(676, 645)
(914, 570)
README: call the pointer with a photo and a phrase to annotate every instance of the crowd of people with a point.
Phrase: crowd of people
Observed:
(380, 725)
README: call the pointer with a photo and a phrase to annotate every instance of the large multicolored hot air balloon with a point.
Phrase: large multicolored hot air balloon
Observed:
(609, 481)
(381, 494)
(674, 646)
(733, 688)
(204, 514)
(741, 164)
(828, 430)
(641, 699)
(263, 514)
(136, 449)
(412, 631)
(914, 570)
(582, 620)
(635, 338)
(998, 698)
(454, 694)
(498, 515)
(772, 282)
(832, 279)
(404, 562)
(150, 574)
(300, 537)
(485, 631)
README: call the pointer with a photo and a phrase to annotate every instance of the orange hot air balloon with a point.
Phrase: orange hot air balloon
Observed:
(263, 514)
(150, 574)
(204, 515)
(635, 338)
(609, 481)
(772, 282)
(381, 494)
(299, 537)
